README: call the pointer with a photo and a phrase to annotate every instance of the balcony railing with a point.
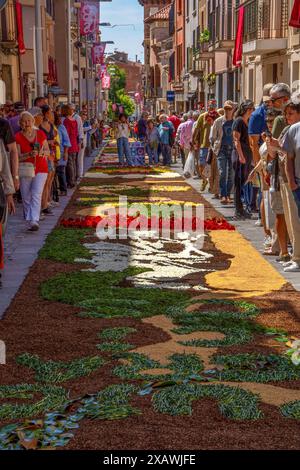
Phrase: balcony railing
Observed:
(259, 22)
(8, 34)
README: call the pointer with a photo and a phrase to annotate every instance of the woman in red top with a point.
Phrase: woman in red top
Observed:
(33, 151)
(72, 128)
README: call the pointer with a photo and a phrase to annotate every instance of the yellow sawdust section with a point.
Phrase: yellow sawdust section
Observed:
(104, 207)
(249, 274)
(162, 351)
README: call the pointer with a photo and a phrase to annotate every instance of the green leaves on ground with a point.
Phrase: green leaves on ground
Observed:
(102, 295)
(255, 368)
(54, 430)
(57, 372)
(234, 403)
(53, 398)
(64, 245)
(183, 365)
(237, 325)
(291, 410)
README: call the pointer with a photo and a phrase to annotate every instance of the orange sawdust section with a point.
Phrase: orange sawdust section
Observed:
(162, 351)
(249, 274)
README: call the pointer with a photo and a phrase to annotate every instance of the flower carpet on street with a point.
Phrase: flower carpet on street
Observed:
(152, 341)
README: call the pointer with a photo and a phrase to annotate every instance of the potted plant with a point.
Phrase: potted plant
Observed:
(204, 36)
(210, 79)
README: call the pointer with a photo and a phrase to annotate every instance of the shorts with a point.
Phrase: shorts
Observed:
(203, 156)
(276, 202)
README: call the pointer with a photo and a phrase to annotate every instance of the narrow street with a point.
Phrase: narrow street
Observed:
(149, 233)
(189, 365)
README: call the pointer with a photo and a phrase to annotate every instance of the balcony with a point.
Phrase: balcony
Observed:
(8, 34)
(203, 52)
(197, 68)
(263, 32)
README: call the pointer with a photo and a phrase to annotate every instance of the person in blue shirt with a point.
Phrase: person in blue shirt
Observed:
(65, 144)
(166, 130)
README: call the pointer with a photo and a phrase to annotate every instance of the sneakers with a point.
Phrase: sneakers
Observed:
(268, 241)
(224, 200)
(47, 211)
(286, 265)
(258, 223)
(283, 259)
(34, 227)
(292, 268)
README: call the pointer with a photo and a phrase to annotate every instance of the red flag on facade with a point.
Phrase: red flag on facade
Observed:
(98, 53)
(89, 17)
(295, 15)
(238, 49)
(19, 20)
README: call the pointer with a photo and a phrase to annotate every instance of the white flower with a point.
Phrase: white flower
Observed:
(296, 358)
(295, 344)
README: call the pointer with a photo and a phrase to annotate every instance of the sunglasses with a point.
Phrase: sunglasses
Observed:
(276, 99)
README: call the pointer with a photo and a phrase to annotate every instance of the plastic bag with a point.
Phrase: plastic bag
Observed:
(189, 167)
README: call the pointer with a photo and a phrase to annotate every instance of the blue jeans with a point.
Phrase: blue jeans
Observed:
(166, 153)
(225, 170)
(123, 148)
(296, 195)
(153, 154)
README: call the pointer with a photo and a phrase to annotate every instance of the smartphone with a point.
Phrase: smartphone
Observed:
(36, 146)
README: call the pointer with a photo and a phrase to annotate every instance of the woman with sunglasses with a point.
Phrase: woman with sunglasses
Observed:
(242, 157)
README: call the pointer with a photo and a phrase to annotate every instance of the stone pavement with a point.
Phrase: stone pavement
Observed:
(247, 228)
(21, 247)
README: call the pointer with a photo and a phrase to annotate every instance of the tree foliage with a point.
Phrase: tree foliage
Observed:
(117, 93)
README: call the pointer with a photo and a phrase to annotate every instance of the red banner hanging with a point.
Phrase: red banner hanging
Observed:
(19, 21)
(98, 51)
(238, 50)
(295, 15)
(89, 17)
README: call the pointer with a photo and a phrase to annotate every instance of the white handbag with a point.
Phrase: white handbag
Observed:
(26, 170)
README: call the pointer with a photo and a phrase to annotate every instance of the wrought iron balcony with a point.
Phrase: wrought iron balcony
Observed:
(265, 31)
(8, 33)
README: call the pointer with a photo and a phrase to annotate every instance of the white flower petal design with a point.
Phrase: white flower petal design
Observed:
(169, 261)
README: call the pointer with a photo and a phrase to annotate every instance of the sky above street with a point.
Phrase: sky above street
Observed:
(127, 38)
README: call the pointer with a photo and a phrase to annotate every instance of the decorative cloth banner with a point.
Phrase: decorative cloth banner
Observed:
(295, 15)
(98, 53)
(19, 20)
(89, 17)
(106, 81)
(238, 50)
(103, 70)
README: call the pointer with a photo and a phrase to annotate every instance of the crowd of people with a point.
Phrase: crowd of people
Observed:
(245, 156)
(42, 153)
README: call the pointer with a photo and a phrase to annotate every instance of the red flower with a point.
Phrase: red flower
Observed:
(122, 222)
